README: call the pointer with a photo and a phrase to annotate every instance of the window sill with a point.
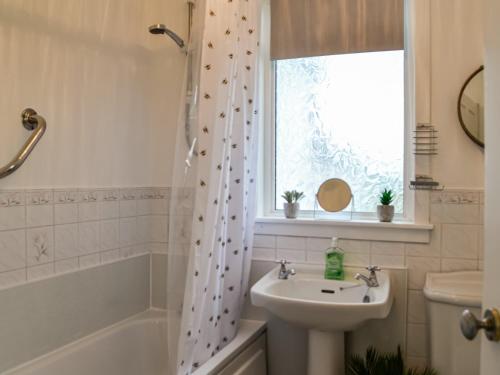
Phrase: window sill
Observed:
(348, 229)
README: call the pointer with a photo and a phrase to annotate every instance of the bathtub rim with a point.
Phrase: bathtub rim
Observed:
(248, 332)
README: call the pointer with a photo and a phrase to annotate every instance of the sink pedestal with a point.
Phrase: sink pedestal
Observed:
(325, 353)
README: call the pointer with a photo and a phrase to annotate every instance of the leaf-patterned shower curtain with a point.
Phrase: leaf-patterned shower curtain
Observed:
(222, 226)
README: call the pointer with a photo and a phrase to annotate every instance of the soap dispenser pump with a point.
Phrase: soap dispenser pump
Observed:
(334, 261)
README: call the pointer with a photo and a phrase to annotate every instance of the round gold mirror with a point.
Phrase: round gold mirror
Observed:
(334, 195)
(471, 107)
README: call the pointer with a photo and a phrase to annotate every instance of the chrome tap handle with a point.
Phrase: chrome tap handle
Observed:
(283, 262)
(283, 271)
(373, 268)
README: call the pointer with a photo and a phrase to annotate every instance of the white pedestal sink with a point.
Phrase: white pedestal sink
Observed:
(327, 308)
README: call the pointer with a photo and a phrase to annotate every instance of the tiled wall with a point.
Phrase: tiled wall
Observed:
(47, 232)
(456, 244)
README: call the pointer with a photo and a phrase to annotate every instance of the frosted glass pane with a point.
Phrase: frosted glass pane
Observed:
(341, 116)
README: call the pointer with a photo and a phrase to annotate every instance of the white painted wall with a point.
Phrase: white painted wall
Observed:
(108, 89)
(456, 52)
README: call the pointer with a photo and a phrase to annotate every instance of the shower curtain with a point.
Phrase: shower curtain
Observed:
(213, 207)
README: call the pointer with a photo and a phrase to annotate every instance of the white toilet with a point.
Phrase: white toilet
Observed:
(447, 295)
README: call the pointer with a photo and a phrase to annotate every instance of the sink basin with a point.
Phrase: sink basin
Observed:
(310, 301)
(328, 308)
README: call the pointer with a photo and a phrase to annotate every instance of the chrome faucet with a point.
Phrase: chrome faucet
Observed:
(284, 272)
(371, 280)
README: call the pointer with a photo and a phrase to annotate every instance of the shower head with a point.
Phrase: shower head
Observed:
(159, 28)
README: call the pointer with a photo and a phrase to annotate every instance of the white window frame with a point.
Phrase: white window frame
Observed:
(269, 167)
(416, 228)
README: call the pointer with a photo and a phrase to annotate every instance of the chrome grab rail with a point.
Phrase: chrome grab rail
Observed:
(31, 121)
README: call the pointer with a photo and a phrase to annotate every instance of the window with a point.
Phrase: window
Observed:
(340, 116)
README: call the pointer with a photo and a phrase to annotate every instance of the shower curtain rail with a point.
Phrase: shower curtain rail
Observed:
(32, 122)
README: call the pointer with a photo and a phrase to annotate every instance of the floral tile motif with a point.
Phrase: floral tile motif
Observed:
(66, 196)
(12, 198)
(39, 197)
(456, 197)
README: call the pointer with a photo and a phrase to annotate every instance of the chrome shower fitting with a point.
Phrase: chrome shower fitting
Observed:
(158, 29)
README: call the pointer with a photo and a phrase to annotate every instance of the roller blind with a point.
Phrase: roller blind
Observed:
(304, 28)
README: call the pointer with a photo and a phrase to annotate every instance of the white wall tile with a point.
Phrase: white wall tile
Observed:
(88, 211)
(291, 242)
(38, 216)
(66, 265)
(357, 259)
(315, 257)
(110, 256)
(460, 241)
(89, 260)
(159, 228)
(110, 234)
(40, 272)
(318, 244)
(11, 278)
(355, 246)
(387, 248)
(291, 255)
(128, 231)
(65, 213)
(40, 245)
(144, 229)
(12, 217)
(455, 213)
(109, 210)
(388, 260)
(145, 206)
(417, 269)
(261, 240)
(128, 208)
(66, 241)
(160, 207)
(262, 253)
(88, 237)
(453, 264)
(416, 307)
(432, 249)
(12, 250)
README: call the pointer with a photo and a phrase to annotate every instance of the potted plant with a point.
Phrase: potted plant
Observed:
(292, 206)
(385, 211)
(383, 363)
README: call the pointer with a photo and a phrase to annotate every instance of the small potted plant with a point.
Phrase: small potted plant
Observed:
(292, 206)
(385, 211)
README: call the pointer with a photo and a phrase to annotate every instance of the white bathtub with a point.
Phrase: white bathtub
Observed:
(136, 346)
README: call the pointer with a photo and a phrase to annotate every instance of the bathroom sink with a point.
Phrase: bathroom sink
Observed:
(310, 301)
(327, 308)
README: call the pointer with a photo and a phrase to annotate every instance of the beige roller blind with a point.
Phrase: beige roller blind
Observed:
(302, 28)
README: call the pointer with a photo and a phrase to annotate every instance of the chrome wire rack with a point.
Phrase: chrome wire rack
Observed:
(425, 140)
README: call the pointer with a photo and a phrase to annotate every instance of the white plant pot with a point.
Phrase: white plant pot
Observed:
(291, 210)
(385, 213)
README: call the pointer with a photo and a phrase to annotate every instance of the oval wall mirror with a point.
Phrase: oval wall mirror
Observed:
(334, 195)
(471, 107)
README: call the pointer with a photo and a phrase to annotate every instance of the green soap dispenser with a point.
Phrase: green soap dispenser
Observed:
(334, 261)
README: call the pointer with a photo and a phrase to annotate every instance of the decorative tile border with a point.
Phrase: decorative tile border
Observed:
(44, 232)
